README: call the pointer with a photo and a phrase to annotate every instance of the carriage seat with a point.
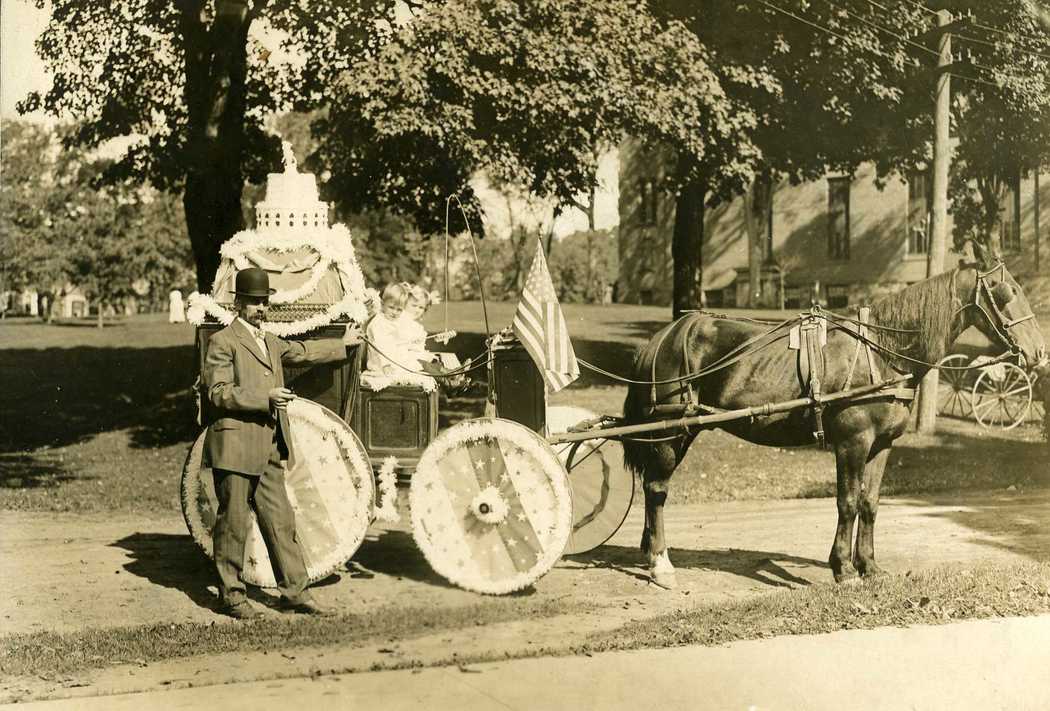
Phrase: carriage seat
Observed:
(395, 418)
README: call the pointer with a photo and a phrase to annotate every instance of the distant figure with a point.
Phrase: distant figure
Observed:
(176, 309)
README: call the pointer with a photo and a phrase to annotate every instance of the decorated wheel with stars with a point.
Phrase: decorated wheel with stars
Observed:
(329, 485)
(491, 506)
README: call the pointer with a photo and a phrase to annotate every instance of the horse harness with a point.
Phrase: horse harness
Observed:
(809, 338)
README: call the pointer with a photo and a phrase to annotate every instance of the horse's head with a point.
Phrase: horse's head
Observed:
(1002, 312)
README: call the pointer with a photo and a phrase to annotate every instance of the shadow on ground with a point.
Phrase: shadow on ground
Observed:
(24, 471)
(762, 567)
(395, 553)
(171, 561)
(955, 459)
(65, 395)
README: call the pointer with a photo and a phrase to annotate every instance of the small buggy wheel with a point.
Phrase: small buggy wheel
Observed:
(953, 387)
(1002, 396)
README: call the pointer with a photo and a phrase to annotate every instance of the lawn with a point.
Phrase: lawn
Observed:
(101, 419)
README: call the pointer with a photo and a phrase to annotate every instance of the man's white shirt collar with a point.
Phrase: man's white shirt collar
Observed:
(257, 334)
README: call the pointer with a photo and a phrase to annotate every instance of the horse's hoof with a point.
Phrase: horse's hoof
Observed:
(872, 571)
(664, 579)
(850, 578)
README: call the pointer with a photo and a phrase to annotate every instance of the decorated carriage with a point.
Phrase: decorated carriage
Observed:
(495, 501)
(490, 504)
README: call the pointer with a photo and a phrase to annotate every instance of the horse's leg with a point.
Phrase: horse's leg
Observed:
(868, 508)
(656, 480)
(850, 457)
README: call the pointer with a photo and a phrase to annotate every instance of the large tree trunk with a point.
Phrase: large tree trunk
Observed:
(687, 247)
(216, 69)
(758, 203)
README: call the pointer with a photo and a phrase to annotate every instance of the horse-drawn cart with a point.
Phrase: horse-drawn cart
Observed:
(997, 394)
(490, 501)
(493, 504)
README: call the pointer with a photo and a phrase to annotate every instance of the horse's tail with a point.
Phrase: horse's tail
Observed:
(642, 395)
(636, 454)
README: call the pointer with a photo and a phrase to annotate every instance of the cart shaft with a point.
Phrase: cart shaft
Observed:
(727, 416)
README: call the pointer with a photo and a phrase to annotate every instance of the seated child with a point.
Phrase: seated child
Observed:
(384, 333)
(414, 338)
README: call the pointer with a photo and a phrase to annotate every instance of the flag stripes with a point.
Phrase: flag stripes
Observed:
(540, 326)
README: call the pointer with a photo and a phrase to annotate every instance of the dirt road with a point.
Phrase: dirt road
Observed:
(69, 572)
(74, 572)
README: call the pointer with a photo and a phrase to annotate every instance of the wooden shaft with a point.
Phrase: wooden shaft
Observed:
(727, 416)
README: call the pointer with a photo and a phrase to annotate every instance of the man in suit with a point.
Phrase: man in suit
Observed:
(246, 442)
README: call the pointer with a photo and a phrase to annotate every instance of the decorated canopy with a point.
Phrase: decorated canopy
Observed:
(312, 265)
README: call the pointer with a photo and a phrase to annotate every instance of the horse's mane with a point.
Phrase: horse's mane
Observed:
(927, 307)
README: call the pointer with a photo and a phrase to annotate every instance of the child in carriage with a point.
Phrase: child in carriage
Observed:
(397, 340)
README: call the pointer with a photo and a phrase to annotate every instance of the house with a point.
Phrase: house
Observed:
(840, 239)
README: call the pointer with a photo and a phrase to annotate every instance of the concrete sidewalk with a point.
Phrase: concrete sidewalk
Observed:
(987, 664)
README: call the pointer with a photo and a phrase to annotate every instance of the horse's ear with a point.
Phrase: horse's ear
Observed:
(985, 254)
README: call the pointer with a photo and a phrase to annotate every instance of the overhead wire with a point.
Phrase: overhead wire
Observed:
(903, 39)
(822, 28)
(888, 31)
(1042, 41)
(997, 45)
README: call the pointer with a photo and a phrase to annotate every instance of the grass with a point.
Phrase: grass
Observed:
(99, 420)
(935, 596)
(48, 654)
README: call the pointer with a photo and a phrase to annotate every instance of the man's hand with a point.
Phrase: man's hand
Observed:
(280, 397)
(352, 337)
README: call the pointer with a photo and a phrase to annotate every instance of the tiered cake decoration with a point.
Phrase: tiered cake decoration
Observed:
(311, 265)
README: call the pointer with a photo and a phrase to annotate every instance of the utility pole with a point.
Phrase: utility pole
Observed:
(927, 421)
(1036, 206)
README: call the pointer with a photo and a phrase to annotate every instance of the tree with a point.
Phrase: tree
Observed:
(526, 90)
(58, 227)
(189, 82)
(583, 264)
(1001, 113)
(28, 257)
(838, 84)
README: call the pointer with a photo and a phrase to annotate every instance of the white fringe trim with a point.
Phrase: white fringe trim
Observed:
(335, 247)
(200, 304)
(387, 478)
(376, 381)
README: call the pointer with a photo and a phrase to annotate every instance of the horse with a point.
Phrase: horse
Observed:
(717, 363)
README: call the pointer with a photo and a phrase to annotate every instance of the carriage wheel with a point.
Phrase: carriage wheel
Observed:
(491, 506)
(953, 387)
(602, 488)
(1001, 398)
(330, 487)
(602, 494)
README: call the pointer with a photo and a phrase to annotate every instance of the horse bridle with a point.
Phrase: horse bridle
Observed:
(1000, 319)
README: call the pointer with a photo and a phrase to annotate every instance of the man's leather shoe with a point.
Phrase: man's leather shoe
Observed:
(241, 610)
(307, 606)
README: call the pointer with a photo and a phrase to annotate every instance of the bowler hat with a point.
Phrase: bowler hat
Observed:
(253, 282)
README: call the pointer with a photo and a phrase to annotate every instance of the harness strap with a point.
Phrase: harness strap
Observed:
(811, 335)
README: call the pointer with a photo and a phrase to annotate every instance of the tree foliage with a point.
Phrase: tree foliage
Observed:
(188, 82)
(1001, 112)
(61, 230)
(523, 90)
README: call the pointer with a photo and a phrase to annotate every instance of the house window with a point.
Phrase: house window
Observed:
(649, 197)
(1010, 227)
(793, 297)
(838, 218)
(838, 296)
(919, 198)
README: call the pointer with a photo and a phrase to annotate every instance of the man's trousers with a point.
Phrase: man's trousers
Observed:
(237, 493)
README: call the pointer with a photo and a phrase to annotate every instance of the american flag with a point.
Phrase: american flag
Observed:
(540, 327)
